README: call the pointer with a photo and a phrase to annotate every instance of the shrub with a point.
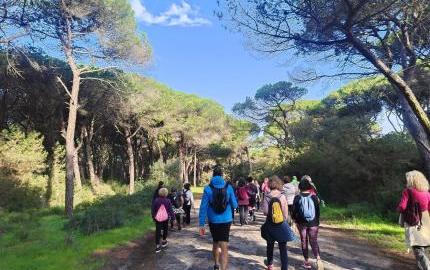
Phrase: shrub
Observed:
(111, 212)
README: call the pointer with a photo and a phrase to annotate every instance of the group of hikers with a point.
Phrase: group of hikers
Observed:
(289, 206)
(283, 202)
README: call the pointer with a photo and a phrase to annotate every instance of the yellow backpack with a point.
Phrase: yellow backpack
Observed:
(276, 216)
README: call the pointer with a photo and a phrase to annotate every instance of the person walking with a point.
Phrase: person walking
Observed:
(290, 191)
(242, 194)
(306, 214)
(216, 205)
(161, 212)
(276, 228)
(188, 200)
(177, 202)
(414, 217)
(253, 193)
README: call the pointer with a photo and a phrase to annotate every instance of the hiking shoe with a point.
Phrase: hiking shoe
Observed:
(269, 266)
(158, 249)
(164, 244)
(307, 265)
(216, 267)
(320, 265)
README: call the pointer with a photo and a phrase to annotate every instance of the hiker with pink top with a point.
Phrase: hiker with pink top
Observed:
(162, 210)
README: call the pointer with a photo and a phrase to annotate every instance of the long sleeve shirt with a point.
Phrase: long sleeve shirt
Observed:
(422, 197)
(162, 201)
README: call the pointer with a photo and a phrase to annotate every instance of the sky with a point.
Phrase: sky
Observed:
(194, 53)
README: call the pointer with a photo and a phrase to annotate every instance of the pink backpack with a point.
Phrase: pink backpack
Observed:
(161, 215)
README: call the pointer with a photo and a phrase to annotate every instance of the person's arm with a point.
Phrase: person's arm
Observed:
(317, 207)
(191, 198)
(296, 207)
(204, 204)
(284, 204)
(403, 201)
(265, 206)
(155, 205)
(233, 200)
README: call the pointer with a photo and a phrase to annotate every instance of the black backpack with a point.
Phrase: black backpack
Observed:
(219, 198)
(184, 196)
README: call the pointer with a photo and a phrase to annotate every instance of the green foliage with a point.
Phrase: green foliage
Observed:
(22, 164)
(362, 221)
(112, 212)
(22, 154)
(37, 240)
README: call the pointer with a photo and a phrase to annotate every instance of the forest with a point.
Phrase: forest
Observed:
(84, 139)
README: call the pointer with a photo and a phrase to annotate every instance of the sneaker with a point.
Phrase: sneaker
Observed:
(269, 266)
(164, 244)
(320, 265)
(158, 249)
(216, 267)
(307, 265)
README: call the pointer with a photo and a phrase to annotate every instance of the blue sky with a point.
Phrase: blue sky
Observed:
(194, 53)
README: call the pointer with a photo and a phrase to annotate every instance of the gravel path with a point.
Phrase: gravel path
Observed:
(187, 250)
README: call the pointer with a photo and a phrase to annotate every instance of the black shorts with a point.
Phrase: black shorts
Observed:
(220, 231)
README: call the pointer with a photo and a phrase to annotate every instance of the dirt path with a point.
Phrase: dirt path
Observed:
(187, 250)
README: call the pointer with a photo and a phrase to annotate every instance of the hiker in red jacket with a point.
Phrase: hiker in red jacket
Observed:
(414, 216)
(243, 201)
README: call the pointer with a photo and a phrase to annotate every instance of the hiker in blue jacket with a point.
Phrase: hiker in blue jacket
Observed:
(217, 203)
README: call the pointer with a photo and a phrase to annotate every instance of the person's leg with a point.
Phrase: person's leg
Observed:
(216, 252)
(165, 228)
(313, 240)
(304, 240)
(421, 257)
(284, 255)
(245, 214)
(188, 214)
(223, 255)
(232, 214)
(269, 252)
(241, 214)
(178, 220)
(157, 233)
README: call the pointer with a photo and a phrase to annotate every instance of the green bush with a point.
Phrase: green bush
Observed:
(111, 212)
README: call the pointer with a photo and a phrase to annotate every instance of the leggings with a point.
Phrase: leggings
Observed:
(161, 226)
(243, 213)
(422, 257)
(187, 217)
(282, 251)
(309, 234)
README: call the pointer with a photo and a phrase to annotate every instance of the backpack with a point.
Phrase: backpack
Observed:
(161, 215)
(252, 191)
(242, 193)
(275, 214)
(176, 200)
(184, 196)
(219, 198)
(307, 208)
(412, 215)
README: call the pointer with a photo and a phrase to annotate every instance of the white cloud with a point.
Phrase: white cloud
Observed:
(176, 15)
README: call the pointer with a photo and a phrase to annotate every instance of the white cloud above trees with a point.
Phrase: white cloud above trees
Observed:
(182, 14)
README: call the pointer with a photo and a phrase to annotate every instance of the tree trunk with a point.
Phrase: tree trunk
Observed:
(130, 155)
(249, 159)
(89, 134)
(76, 171)
(195, 169)
(181, 159)
(70, 142)
(402, 86)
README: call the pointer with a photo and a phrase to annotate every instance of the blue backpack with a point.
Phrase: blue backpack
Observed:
(307, 208)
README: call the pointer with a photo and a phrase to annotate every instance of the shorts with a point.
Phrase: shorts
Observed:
(220, 231)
